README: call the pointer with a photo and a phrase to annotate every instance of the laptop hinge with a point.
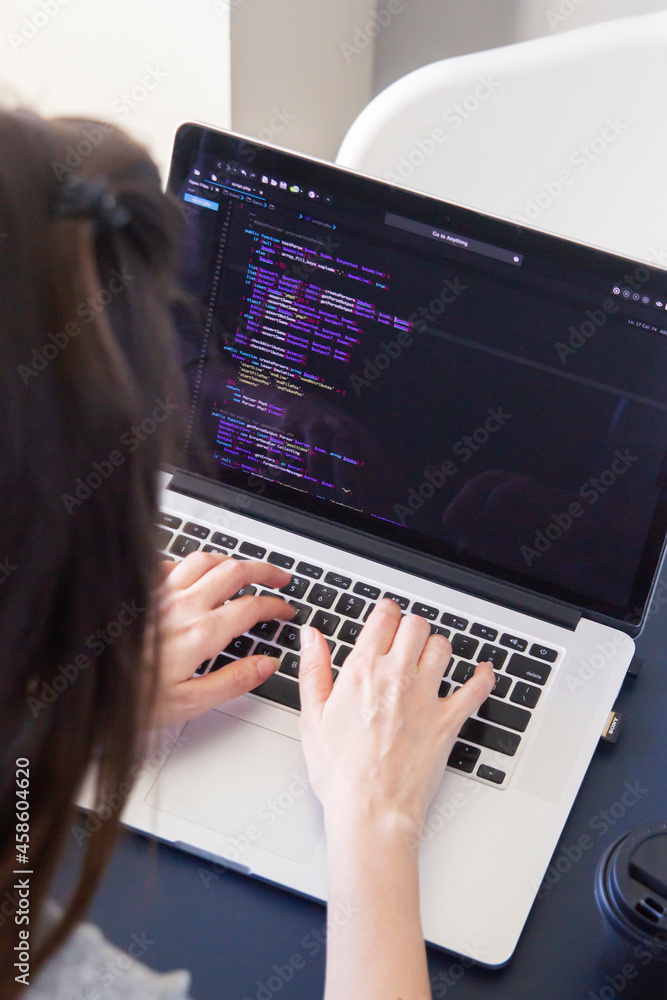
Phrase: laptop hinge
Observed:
(390, 553)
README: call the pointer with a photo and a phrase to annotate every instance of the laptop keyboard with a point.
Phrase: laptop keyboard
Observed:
(489, 743)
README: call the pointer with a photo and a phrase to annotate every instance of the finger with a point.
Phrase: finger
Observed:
(194, 566)
(410, 639)
(238, 617)
(380, 629)
(315, 679)
(435, 657)
(225, 578)
(470, 696)
(166, 568)
(197, 695)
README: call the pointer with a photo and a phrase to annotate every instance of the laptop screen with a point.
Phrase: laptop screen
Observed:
(471, 389)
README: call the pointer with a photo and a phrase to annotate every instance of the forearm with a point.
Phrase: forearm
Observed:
(377, 951)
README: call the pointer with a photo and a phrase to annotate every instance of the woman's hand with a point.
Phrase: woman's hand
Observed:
(376, 746)
(196, 624)
(377, 743)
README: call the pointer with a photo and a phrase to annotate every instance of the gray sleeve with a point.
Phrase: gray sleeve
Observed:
(89, 966)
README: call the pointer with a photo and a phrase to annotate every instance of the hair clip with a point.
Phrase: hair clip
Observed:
(80, 198)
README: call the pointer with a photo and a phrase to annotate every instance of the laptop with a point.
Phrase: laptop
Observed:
(396, 396)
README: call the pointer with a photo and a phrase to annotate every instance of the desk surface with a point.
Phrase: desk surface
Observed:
(231, 931)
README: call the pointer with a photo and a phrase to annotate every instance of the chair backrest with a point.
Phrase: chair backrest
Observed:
(566, 133)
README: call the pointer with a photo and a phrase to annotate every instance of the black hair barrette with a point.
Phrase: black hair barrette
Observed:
(80, 197)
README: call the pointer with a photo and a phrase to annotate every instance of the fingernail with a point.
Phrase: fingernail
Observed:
(268, 663)
(307, 636)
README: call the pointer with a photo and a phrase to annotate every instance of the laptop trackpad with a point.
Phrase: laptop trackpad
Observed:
(245, 781)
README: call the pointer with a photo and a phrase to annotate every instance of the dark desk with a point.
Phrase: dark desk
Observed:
(232, 931)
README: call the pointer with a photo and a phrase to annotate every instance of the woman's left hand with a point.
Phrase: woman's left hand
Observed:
(196, 624)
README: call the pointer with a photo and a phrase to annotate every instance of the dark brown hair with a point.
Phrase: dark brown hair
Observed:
(86, 356)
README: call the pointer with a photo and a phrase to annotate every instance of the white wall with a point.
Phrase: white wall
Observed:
(298, 77)
(535, 18)
(146, 65)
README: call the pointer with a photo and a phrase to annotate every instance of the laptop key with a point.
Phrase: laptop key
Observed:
(424, 611)
(249, 589)
(439, 630)
(202, 667)
(265, 630)
(303, 613)
(290, 637)
(221, 660)
(325, 622)
(402, 602)
(240, 646)
(527, 669)
(544, 653)
(322, 596)
(464, 757)
(283, 690)
(464, 645)
(490, 737)
(368, 611)
(502, 686)
(297, 587)
(196, 530)
(290, 665)
(525, 694)
(350, 606)
(503, 714)
(494, 654)
(227, 541)
(212, 548)
(307, 569)
(454, 621)
(184, 546)
(252, 550)
(163, 537)
(349, 632)
(490, 774)
(169, 520)
(266, 649)
(443, 690)
(336, 580)
(367, 590)
(341, 656)
(278, 559)
(513, 641)
(483, 631)
(463, 671)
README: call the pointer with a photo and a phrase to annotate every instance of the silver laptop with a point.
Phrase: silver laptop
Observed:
(392, 395)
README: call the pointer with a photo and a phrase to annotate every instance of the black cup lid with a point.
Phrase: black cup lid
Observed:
(631, 884)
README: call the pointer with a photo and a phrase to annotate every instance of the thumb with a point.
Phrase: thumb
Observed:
(315, 679)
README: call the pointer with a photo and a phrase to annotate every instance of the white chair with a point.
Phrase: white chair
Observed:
(566, 133)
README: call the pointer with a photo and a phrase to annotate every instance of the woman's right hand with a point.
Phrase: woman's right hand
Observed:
(376, 744)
